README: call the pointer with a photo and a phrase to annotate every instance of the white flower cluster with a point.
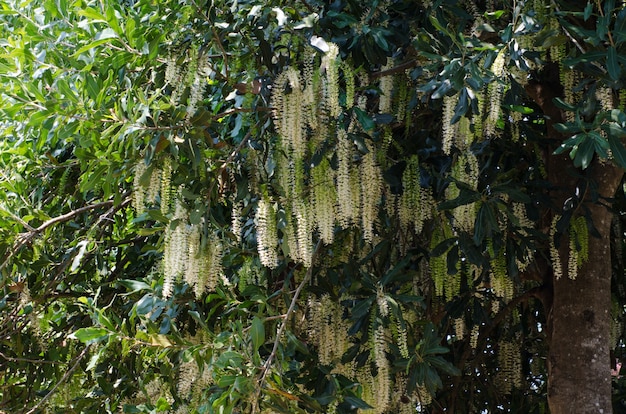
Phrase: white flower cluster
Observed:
(382, 381)
(324, 200)
(345, 207)
(459, 329)
(371, 187)
(327, 329)
(510, 366)
(501, 284)
(495, 92)
(148, 188)
(557, 268)
(267, 236)
(386, 90)
(448, 130)
(331, 63)
(289, 114)
(185, 255)
(191, 72)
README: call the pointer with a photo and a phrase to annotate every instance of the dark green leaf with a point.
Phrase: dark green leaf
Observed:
(364, 119)
(356, 403)
(442, 247)
(584, 153)
(257, 332)
(612, 65)
(588, 10)
(618, 150)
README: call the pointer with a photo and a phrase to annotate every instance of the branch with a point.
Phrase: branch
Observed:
(396, 69)
(65, 377)
(225, 164)
(28, 360)
(270, 359)
(27, 237)
(238, 110)
(308, 6)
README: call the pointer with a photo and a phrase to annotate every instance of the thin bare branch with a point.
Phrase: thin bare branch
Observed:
(292, 306)
(63, 379)
(25, 238)
(28, 360)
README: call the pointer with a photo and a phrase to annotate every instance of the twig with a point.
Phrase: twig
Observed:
(225, 164)
(270, 359)
(308, 6)
(224, 54)
(238, 110)
(396, 69)
(27, 237)
(65, 377)
(30, 361)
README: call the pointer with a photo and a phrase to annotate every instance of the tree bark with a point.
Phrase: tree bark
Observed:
(580, 310)
(578, 357)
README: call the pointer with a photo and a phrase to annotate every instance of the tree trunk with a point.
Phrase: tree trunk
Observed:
(578, 357)
(580, 310)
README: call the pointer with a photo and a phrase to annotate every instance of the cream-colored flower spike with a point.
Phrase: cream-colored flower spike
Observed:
(267, 237)
(386, 90)
(345, 205)
(331, 62)
(554, 253)
(494, 96)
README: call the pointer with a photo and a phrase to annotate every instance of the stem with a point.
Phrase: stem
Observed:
(270, 359)
(65, 377)
(27, 237)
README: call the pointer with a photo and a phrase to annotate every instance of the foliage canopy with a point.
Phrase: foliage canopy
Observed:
(298, 206)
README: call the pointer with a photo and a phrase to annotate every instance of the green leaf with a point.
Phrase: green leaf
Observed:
(364, 119)
(357, 403)
(257, 332)
(618, 150)
(102, 37)
(134, 285)
(443, 247)
(568, 144)
(583, 155)
(466, 196)
(92, 14)
(362, 308)
(560, 103)
(90, 334)
(588, 10)
(612, 65)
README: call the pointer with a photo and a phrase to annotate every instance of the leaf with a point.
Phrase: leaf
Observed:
(560, 103)
(160, 340)
(618, 150)
(612, 65)
(257, 332)
(442, 90)
(397, 271)
(319, 43)
(102, 37)
(86, 335)
(82, 248)
(584, 153)
(588, 10)
(357, 403)
(466, 196)
(364, 119)
(619, 29)
(92, 14)
(362, 308)
(134, 285)
(443, 247)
